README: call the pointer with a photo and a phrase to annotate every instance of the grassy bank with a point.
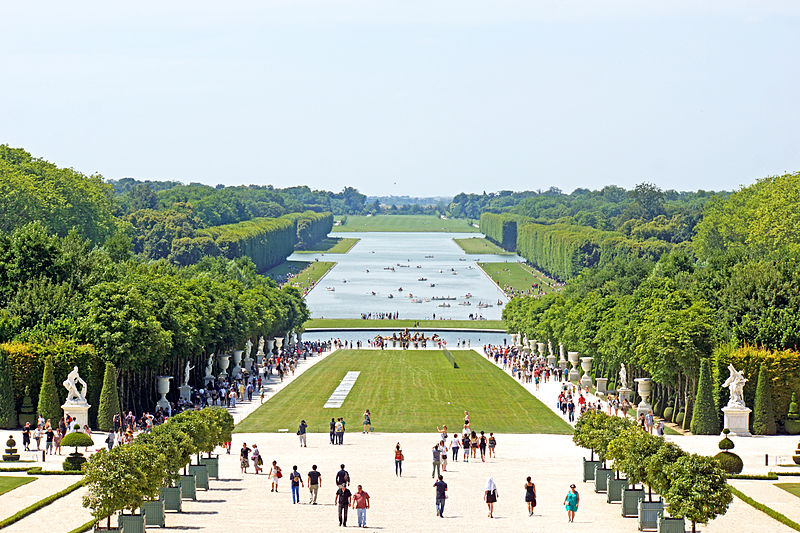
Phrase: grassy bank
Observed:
(339, 245)
(405, 223)
(345, 323)
(480, 245)
(8, 483)
(301, 274)
(407, 391)
(516, 276)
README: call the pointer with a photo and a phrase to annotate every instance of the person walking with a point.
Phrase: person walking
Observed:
(296, 480)
(465, 447)
(437, 461)
(244, 457)
(444, 450)
(398, 460)
(275, 475)
(490, 495)
(441, 496)
(361, 504)
(314, 483)
(455, 444)
(301, 433)
(530, 495)
(340, 431)
(342, 501)
(255, 456)
(482, 446)
(571, 502)
(342, 477)
(367, 422)
(473, 445)
(333, 431)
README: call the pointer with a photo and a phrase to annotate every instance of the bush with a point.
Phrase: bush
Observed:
(109, 400)
(49, 404)
(705, 420)
(668, 412)
(763, 417)
(679, 418)
(8, 411)
(792, 424)
(77, 439)
(73, 462)
(698, 489)
(729, 462)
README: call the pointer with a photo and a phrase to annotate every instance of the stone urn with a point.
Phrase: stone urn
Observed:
(586, 365)
(224, 363)
(540, 348)
(574, 359)
(532, 345)
(643, 386)
(237, 362)
(270, 346)
(279, 343)
(162, 387)
(562, 361)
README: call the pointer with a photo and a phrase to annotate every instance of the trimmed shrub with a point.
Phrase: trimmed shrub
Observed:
(109, 400)
(668, 412)
(75, 460)
(792, 424)
(49, 405)
(8, 411)
(729, 462)
(763, 418)
(679, 418)
(705, 420)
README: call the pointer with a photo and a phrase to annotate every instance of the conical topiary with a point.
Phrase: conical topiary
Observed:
(704, 419)
(728, 461)
(109, 400)
(763, 417)
(8, 408)
(49, 405)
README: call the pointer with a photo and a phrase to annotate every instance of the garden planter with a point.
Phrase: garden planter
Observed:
(601, 477)
(649, 512)
(671, 525)
(630, 501)
(188, 488)
(588, 469)
(131, 523)
(153, 513)
(171, 496)
(200, 476)
(212, 463)
(615, 486)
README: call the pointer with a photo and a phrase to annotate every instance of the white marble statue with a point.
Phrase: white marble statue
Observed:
(248, 348)
(73, 381)
(210, 367)
(550, 347)
(260, 347)
(186, 371)
(623, 377)
(735, 384)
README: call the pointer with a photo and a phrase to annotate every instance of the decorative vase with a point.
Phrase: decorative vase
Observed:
(643, 388)
(574, 358)
(224, 362)
(237, 363)
(586, 365)
(162, 387)
(270, 346)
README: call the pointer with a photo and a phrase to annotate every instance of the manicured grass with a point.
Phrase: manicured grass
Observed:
(407, 391)
(8, 483)
(331, 246)
(782, 518)
(516, 276)
(345, 323)
(305, 273)
(405, 223)
(480, 245)
(791, 488)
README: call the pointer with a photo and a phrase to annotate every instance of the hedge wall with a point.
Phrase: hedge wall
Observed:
(784, 371)
(27, 365)
(501, 229)
(320, 224)
(267, 241)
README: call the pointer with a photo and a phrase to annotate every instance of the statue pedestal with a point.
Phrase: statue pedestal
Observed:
(624, 393)
(78, 411)
(643, 408)
(737, 419)
(185, 392)
(602, 385)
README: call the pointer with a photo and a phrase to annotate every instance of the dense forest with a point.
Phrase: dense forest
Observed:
(728, 293)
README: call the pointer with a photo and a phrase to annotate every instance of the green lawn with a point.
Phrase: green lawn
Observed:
(517, 276)
(8, 483)
(306, 273)
(409, 391)
(791, 488)
(405, 223)
(345, 323)
(479, 245)
(331, 246)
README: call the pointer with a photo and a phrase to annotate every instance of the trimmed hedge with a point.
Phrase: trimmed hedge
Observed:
(267, 241)
(8, 408)
(49, 405)
(501, 229)
(704, 415)
(310, 226)
(109, 400)
(763, 417)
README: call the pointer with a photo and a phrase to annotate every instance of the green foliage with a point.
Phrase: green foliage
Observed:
(501, 229)
(632, 450)
(783, 519)
(668, 411)
(49, 405)
(763, 413)
(698, 489)
(655, 472)
(596, 430)
(73, 462)
(78, 439)
(726, 444)
(174, 444)
(8, 411)
(704, 416)
(109, 399)
(679, 418)
(729, 462)
(267, 241)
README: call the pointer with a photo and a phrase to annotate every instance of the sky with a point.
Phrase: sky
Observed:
(407, 97)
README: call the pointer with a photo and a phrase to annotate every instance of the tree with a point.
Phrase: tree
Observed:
(49, 405)
(698, 489)
(704, 418)
(632, 450)
(8, 411)
(649, 199)
(763, 418)
(656, 476)
(109, 399)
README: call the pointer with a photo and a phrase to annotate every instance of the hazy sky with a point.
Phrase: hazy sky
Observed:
(407, 97)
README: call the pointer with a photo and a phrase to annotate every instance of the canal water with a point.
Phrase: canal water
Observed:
(472, 339)
(417, 275)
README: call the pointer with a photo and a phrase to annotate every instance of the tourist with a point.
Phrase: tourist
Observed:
(571, 501)
(473, 445)
(398, 461)
(340, 431)
(443, 432)
(660, 428)
(482, 446)
(571, 410)
(492, 444)
(441, 496)
(342, 477)
(255, 455)
(465, 447)
(361, 504)
(49, 435)
(530, 495)
(295, 480)
(314, 483)
(466, 418)
(437, 461)
(443, 449)
(244, 457)
(37, 436)
(342, 501)
(455, 444)
(110, 441)
(490, 495)
(275, 475)
(301, 433)
(367, 422)
(332, 430)
(57, 442)
(648, 420)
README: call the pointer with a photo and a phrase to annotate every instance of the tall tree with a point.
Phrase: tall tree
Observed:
(49, 405)
(704, 419)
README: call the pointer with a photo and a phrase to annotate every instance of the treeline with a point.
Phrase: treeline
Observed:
(734, 286)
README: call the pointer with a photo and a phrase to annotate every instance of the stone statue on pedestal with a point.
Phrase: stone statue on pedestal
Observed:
(72, 383)
(623, 377)
(735, 384)
(186, 371)
(248, 348)
(260, 352)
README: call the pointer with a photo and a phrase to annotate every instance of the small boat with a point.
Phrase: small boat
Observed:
(367, 271)
(468, 296)
(443, 298)
(400, 289)
(331, 289)
(344, 281)
(390, 295)
(455, 273)
(443, 305)
(484, 306)
(419, 266)
(464, 303)
(461, 259)
(416, 301)
(422, 279)
(428, 257)
(433, 284)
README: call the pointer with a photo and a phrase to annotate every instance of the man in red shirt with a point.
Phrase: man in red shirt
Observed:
(361, 504)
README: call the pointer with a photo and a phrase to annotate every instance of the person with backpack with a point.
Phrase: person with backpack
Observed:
(301, 432)
(342, 477)
(296, 480)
